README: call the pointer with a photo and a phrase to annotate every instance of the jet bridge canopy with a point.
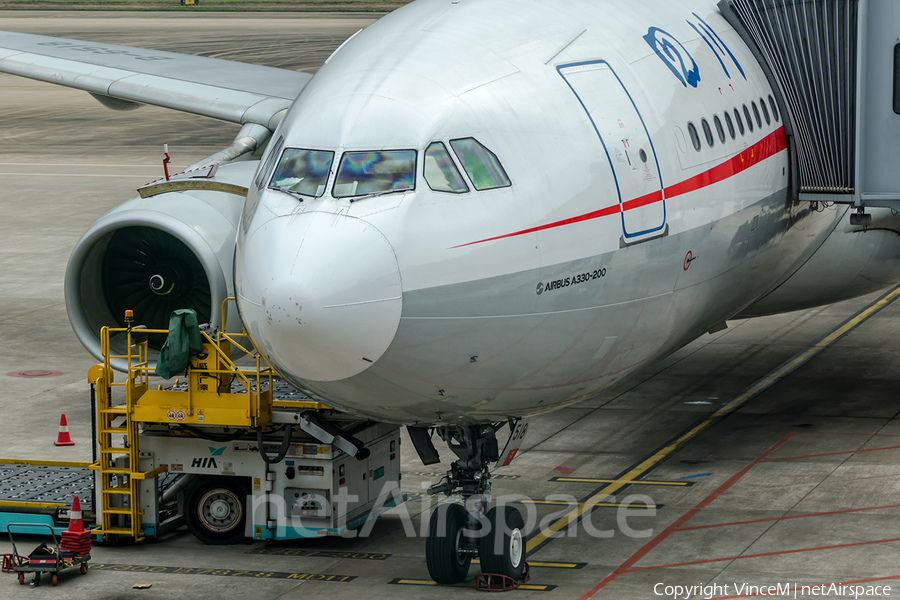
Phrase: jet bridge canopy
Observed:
(835, 65)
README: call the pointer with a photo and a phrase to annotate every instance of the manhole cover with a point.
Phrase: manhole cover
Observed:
(34, 374)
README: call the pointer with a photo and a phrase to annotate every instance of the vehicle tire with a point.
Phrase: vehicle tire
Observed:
(446, 564)
(502, 550)
(21, 578)
(54, 579)
(84, 568)
(214, 509)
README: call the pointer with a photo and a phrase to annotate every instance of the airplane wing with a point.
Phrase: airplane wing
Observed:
(221, 89)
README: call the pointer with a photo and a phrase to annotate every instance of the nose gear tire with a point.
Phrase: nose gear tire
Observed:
(502, 550)
(446, 564)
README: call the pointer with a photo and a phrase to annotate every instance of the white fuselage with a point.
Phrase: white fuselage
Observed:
(615, 244)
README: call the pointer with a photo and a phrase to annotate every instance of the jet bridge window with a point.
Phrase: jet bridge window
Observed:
(441, 173)
(302, 171)
(480, 164)
(376, 172)
(897, 79)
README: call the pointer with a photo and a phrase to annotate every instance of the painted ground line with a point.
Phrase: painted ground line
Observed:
(833, 453)
(542, 537)
(635, 482)
(819, 514)
(751, 392)
(548, 565)
(81, 175)
(220, 572)
(468, 584)
(595, 505)
(776, 553)
(318, 553)
(674, 527)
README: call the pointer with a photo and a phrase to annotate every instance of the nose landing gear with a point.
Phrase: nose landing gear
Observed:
(459, 532)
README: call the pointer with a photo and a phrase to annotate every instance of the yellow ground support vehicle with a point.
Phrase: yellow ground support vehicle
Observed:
(232, 452)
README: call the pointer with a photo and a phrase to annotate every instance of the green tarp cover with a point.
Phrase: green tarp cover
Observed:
(182, 343)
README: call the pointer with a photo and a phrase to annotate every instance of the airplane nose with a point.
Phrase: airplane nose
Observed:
(319, 293)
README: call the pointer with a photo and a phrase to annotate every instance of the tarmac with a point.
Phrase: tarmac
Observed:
(763, 455)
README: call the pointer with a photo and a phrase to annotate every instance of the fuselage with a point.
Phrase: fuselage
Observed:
(579, 206)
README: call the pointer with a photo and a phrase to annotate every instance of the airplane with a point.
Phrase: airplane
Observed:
(475, 212)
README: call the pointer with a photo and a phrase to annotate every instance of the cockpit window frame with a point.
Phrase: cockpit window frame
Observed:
(324, 186)
(456, 169)
(499, 164)
(345, 152)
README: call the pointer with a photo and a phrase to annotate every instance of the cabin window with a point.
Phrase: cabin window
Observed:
(730, 124)
(302, 171)
(376, 172)
(695, 139)
(266, 166)
(749, 118)
(481, 165)
(765, 110)
(707, 132)
(756, 114)
(740, 123)
(719, 130)
(897, 79)
(774, 108)
(441, 173)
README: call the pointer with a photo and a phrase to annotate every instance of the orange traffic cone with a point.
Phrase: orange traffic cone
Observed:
(76, 523)
(76, 539)
(63, 439)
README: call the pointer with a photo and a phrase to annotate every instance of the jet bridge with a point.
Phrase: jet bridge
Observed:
(835, 66)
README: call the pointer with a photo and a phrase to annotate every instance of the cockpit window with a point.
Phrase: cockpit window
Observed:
(364, 173)
(481, 164)
(303, 171)
(440, 172)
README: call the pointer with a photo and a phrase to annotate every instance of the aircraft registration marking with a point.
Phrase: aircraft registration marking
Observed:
(546, 534)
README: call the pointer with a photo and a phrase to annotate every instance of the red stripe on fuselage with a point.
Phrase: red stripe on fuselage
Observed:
(767, 147)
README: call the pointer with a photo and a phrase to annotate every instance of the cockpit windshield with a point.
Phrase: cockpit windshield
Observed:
(303, 171)
(364, 173)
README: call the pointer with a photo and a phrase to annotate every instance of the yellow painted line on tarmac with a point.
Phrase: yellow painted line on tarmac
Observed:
(597, 504)
(545, 534)
(641, 482)
(469, 584)
(548, 565)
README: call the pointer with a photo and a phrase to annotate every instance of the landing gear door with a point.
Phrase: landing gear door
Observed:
(627, 144)
(514, 443)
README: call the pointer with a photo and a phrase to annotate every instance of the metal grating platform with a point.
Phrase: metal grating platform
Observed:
(280, 390)
(57, 485)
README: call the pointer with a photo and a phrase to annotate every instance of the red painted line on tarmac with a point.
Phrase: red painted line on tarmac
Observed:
(625, 567)
(818, 514)
(858, 581)
(832, 453)
(778, 553)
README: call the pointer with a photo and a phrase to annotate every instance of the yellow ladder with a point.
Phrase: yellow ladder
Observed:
(119, 496)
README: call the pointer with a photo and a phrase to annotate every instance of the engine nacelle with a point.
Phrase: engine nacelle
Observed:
(157, 254)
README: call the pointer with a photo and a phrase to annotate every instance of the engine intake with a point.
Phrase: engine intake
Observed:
(155, 255)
